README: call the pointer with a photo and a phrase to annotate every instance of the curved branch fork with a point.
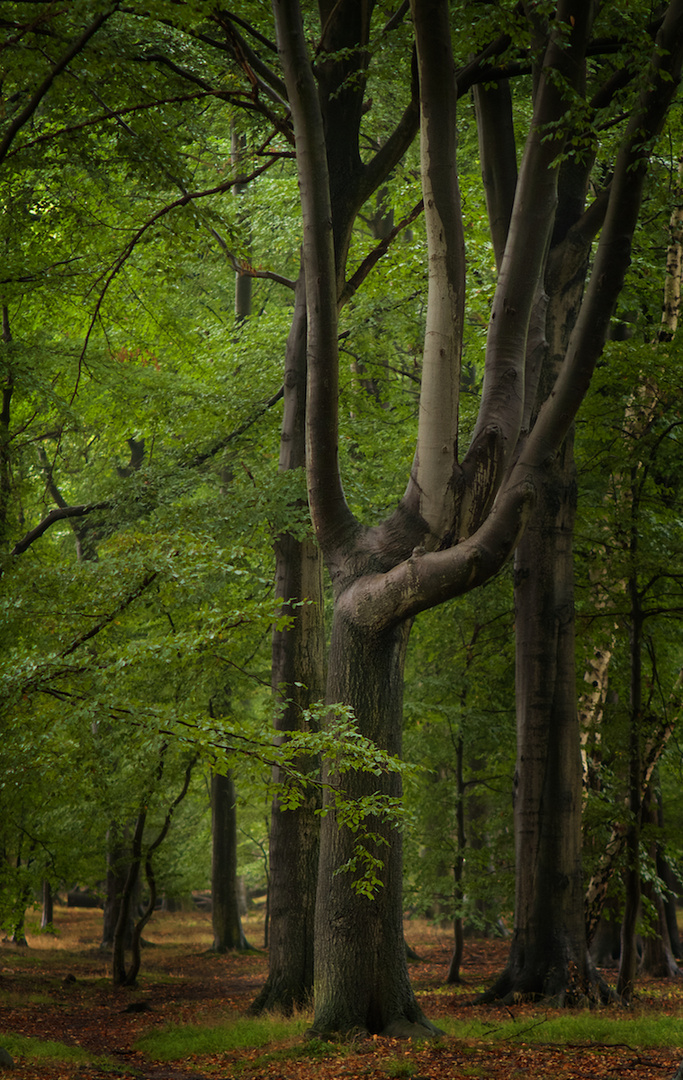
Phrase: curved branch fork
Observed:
(425, 579)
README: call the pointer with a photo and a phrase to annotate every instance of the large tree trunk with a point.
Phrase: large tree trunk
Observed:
(361, 974)
(548, 955)
(225, 915)
(294, 834)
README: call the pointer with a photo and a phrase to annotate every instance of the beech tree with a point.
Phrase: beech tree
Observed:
(461, 516)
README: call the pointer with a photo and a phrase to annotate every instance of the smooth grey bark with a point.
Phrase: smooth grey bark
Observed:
(225, 916)
(361, 977)
(548, 954)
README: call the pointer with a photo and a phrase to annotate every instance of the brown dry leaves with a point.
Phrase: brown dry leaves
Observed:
(186, 984)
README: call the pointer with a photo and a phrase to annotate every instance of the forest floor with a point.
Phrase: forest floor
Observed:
(59, 989)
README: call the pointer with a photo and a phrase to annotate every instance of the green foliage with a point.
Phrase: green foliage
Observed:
(463, 737)
(23, 1048)
(586, 1028)
(177, 1042)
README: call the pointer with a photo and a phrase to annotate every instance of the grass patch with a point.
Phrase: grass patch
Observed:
(399, 1067)
(23, 1048)
(17, 1001)
(177, 1041)
(584, 1028)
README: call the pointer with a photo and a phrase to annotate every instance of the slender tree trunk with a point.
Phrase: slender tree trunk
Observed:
(297, 675)
(118, 856)
(658, 958)
(119, 973)
(628, 965)
(243, 280)
(5, 439)
(629, 956)
(458, 893)
(227, 925)
(673, 886)
(47, 917)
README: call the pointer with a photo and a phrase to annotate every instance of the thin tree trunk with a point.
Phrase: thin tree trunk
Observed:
(227, 924)
(118, 961)
(658, 958)
(117, 873)
(453, 976)
(628, 964)
(121, 976)
(5, 415)
(47, 917)
(243, 280)
(297, 676)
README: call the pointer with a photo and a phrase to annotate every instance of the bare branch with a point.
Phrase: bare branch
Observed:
(370, 260)
(59, 514)
(183, 200)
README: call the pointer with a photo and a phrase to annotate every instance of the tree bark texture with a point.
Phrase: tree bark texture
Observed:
(47, 916)
(548, 954)
(361, 975)
(297, 674)
(225, 915)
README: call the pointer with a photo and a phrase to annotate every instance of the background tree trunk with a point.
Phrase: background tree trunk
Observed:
(225, 915)
(118, 861)
(297, 676)
(47, 917)
(658, 957)
(548, 954)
